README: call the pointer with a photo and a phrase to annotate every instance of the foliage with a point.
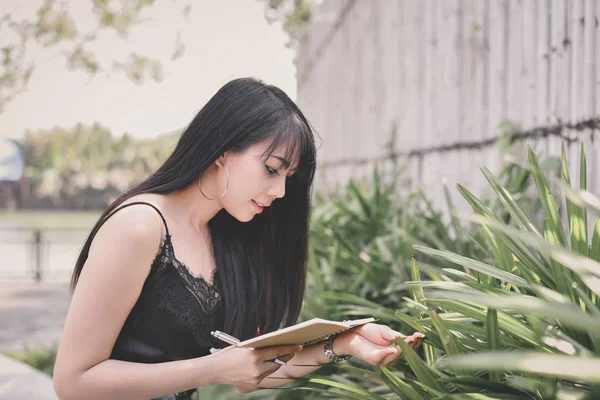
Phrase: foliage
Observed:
(294, 16)
(85, 167)
(361, 239)
(40, 357)
(55, 29)
(519, 322)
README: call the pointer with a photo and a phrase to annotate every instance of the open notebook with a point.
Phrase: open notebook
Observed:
(311, 331)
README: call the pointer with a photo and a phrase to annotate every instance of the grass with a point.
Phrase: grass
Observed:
(39, 357)
(48, 219)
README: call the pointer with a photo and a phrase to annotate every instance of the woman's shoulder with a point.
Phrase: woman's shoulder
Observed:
(136, 223)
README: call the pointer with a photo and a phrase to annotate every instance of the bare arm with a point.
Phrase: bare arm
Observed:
(110, 283)
(369, 343)
(308, 360)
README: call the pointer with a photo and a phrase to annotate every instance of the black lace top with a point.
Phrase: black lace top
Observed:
(174, 313)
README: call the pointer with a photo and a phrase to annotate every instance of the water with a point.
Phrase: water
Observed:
(62, 234)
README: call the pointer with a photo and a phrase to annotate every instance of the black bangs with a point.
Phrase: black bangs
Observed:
(295, 139)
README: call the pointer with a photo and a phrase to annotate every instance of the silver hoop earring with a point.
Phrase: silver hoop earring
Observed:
(224, 191)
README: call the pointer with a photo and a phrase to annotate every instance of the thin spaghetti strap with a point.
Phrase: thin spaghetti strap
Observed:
(131, 204)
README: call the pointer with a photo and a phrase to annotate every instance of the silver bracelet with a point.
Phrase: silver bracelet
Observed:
(328, 347)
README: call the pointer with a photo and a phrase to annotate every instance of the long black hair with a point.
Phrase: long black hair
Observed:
(261, 264)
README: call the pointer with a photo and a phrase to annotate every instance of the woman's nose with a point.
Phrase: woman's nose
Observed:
(278, 189)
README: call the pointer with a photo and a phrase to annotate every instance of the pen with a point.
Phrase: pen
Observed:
(233, 341)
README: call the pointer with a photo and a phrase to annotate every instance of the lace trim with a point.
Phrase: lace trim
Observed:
(206, 294)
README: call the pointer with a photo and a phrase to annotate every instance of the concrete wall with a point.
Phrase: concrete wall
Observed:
(446, 73)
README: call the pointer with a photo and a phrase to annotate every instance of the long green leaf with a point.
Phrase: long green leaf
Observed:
(507, 323)
(471, 327)
(451, 345)
(563, 277)
(479, 396)
(547, 199)
(326, 393)
(477, 205)
(566, 313)
(521, 251)
(401, 388)
(457, 274)
(510, 204)
(583, 180)
(501, 251)
(353, 389)
(416, 276)
(359, 371)
(412, 322)
(582, 198)
(595, 248)
(469, 286)
(544, 388)
(385, 315)
(431, 337)
(588, 269)
(531, 267)
(424, 372)
(458, 230)
(493, 337)
(482, 384)
(595, 254)
(584, 369)
(364, 203)
(474, 265)
(577, 215)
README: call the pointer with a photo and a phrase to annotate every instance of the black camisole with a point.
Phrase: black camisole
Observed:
(174, 314)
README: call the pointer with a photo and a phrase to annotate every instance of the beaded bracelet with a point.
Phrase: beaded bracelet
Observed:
(329, 351)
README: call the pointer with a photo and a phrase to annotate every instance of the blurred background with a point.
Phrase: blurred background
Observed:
(409, 99)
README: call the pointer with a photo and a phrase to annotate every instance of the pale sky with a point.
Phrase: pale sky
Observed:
(224, 39)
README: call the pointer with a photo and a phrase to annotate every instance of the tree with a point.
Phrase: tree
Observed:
(294, 16)
(55, 29)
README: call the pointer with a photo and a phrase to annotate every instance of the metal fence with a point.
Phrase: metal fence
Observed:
(46, 254)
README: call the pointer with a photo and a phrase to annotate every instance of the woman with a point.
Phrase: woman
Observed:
(215, 239)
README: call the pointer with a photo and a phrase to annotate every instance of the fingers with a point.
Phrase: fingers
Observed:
(415, 339)
(377, 332)
(382, 335)
(383, 354)
(267, 369)
(286, 357)
(279, 351)
(391, 357)
(389, 334)
(367, 349)
(418, 342)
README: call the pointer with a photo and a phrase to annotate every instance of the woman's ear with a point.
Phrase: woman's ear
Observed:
(221, 160)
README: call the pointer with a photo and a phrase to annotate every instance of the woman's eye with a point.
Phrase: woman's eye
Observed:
(271, 171)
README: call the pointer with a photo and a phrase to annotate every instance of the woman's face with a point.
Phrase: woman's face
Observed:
(254, 182)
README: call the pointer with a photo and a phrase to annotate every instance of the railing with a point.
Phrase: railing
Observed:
(39, 254)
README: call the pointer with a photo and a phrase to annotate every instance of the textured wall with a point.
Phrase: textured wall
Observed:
(446, 72)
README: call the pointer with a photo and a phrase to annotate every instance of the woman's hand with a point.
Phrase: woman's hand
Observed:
(372, 343)
(245, 368)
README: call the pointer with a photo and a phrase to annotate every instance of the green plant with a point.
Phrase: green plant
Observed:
(522, 322)
(38, 357)
(361, 238)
